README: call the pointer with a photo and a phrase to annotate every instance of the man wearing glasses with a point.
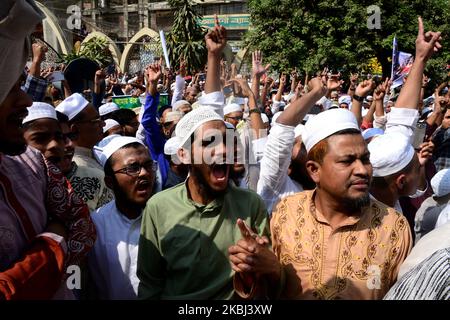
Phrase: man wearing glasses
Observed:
(130, 173)
(87, 127)
(233, 114)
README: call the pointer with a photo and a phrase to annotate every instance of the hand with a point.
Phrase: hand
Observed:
(251, 254)
(425, 152)
(282, 80)
(39, 51)
(425, 81)
(268, 82)
(317, 84)
(216, 39)
(45, 73)
(364, 88)
(153, 72)
(257, 68)
(441, 103)
(381, 90)
(354, 79)
(333, 82)
(99, 76)
(182, 70)
(244, 90)
(427, 43)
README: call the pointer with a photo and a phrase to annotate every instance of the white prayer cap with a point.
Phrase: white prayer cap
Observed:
(40, 110)
(113, 145)
(299, 129)
(440, 183)
(327, 123)
(108, 108)
(372, 132)
(369, 99)
(171, 147)
(214, 99)
(98, 149)
(191, 122)
(275, 116)
(173, 116)
(239, 100)
(72, 105)
(265, 118)
(232, 107)
(178, 104)
(345, 99)
(390, 153)
(109, 124)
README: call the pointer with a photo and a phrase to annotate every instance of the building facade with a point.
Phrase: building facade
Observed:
(122, 19)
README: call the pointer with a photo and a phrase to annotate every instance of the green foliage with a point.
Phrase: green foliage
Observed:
(313, 34)
(95, 49)
(186, 39)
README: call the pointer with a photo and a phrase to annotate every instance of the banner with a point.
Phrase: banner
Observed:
(401, 65)
(127, 102)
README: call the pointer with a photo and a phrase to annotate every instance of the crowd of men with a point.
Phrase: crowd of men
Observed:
(240, 188)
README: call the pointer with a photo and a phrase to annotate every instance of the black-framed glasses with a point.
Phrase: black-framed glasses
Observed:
(235, 118)
(134, 169)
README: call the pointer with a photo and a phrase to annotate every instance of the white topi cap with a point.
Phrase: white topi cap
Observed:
(326, 124)
(40, 110)
(390, 153)
(72, 105)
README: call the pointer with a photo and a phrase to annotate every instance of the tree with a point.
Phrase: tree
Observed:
(95, 49)
(312, 34)
(186, 39)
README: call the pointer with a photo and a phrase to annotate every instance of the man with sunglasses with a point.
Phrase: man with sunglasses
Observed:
(233, 114)
(130, 172)
(87, 128)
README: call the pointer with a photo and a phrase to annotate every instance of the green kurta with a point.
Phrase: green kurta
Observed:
(183, 248)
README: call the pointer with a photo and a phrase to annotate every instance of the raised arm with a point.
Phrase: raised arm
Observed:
(317, 88)
(258, 70)
(426, 45)
(362, 90)
(216, 40)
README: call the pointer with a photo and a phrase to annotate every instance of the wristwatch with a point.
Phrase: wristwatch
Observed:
(254, 111)
(358, 98)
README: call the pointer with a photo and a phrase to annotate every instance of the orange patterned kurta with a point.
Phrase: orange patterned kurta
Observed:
(358, 260)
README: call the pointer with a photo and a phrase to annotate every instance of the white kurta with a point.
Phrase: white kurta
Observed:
(274, 183)
(113, 260)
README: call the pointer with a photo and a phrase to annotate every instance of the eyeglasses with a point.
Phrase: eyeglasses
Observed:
(134, 169)
(235, 118)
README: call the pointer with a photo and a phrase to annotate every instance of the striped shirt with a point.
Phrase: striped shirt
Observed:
(429, 280)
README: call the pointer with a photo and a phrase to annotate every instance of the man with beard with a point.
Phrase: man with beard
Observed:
(186, 230)
(334, 242)
(87, 176)
(44, 226)
(130, 173)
